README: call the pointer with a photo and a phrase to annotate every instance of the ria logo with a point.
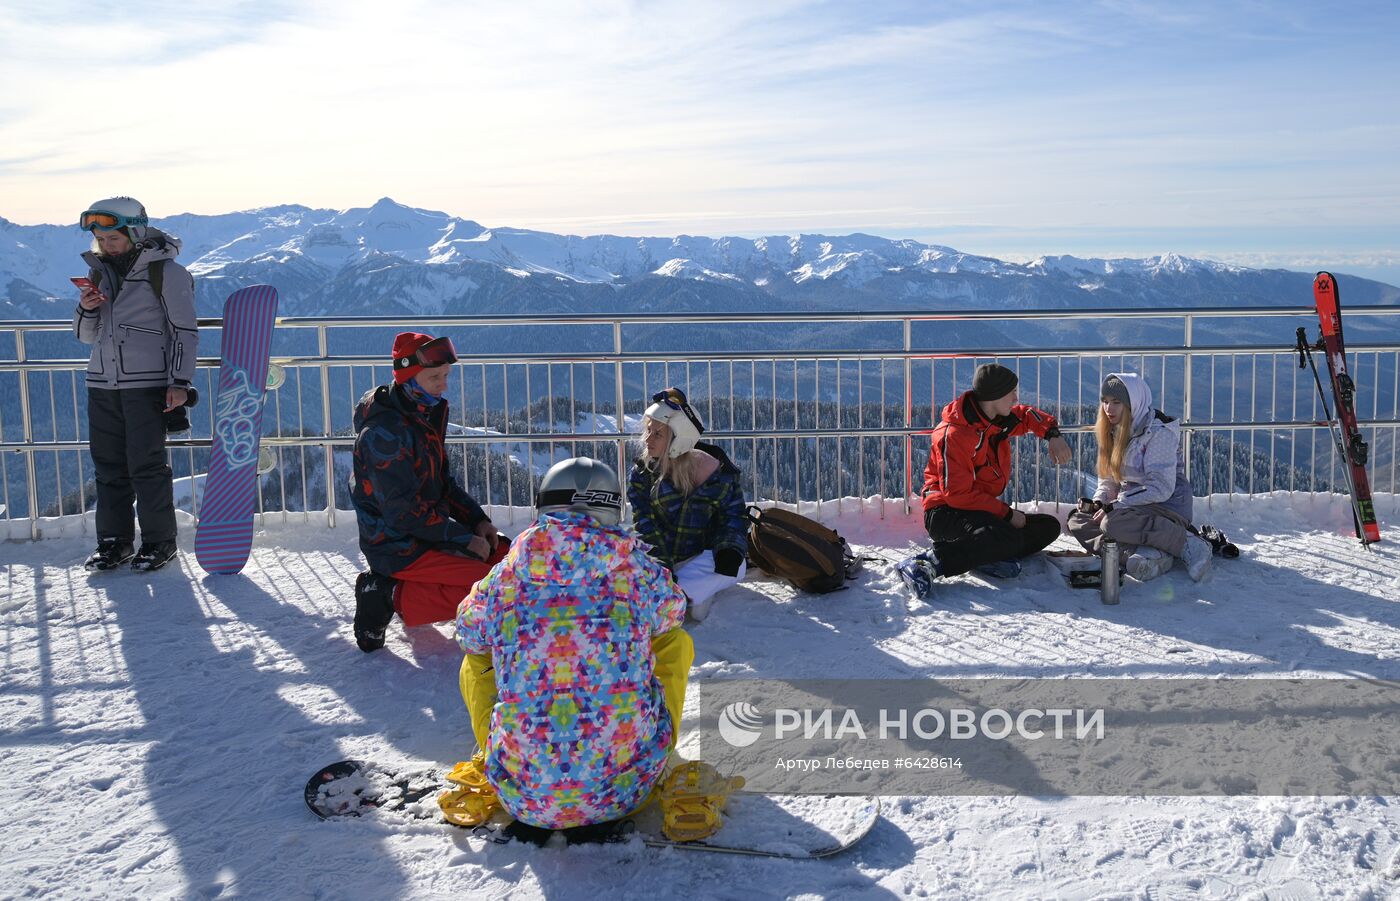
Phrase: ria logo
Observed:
(740, 724)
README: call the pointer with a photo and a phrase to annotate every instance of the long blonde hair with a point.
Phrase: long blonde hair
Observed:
(1113, 443)
(682, 472)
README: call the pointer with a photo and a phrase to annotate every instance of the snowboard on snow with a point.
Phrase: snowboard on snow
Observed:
(797, 827)
(224, 534)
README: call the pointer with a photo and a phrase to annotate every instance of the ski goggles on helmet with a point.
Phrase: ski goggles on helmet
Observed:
(675, 399)
(437, 352)
(106, 220)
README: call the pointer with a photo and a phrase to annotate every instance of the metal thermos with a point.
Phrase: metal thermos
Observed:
(1108, 580)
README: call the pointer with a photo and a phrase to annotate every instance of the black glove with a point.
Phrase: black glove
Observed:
(1219, 544)
(727, 562)
(178, 419)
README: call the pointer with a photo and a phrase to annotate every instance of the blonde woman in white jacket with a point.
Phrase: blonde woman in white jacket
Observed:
(1143, 500)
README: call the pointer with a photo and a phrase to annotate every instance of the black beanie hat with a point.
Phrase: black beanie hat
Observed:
(1113, 387)
(993, 382)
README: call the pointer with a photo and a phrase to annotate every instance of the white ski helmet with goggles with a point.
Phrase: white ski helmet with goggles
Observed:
(671, 408)
(584, 485)
(116, 213)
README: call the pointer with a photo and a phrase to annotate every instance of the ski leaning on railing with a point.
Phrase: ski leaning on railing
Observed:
(1345, 433)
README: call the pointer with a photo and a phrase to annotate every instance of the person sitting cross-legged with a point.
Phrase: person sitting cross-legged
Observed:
(969, 465)
(1143, 500)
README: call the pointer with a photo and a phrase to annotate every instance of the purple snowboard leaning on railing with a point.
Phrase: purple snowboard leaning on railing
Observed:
(225, 531)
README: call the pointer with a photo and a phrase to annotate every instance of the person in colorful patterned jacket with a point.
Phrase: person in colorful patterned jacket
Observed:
(1143, 500)
(138, 315)
(426, 541)
(969, 465)
(688, 502)
(576, 665)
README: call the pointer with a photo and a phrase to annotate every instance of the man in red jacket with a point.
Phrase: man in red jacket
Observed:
(968, 467)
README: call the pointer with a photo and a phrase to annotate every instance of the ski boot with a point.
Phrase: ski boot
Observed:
(917, 573)
(692, 797)
(473, 803)
(110, 554)
(374, 608)
(154, 555)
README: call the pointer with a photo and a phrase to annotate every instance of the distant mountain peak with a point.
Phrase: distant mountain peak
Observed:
(389, 255)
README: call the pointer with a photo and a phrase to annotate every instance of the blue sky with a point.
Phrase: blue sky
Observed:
(1266, 134)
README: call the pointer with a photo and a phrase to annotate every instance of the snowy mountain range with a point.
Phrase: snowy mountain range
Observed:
(390, 259)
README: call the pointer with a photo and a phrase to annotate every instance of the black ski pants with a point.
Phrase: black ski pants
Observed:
(126, 435)
(966, 539)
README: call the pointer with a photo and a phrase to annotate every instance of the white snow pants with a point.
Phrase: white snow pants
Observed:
(698, 579)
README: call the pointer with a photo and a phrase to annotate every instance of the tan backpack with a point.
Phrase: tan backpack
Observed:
(801, 550)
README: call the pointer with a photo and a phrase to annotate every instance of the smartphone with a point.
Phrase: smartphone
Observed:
(84, 283)
(1085, 578)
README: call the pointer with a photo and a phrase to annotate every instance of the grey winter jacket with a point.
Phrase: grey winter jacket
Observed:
(139, 339)
(1154, 468)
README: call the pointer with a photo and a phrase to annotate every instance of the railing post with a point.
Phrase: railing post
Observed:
(1186, 393)
(322, 349)
(617, 411)
(30, 473)
(908, 414)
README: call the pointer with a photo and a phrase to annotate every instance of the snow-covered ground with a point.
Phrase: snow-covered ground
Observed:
(156, 731)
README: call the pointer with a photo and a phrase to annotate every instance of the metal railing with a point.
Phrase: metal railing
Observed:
(805, 424)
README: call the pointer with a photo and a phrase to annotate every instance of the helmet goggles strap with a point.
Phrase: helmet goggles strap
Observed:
(673, 398)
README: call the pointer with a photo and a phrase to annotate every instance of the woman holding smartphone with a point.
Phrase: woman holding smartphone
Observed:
(138, 315)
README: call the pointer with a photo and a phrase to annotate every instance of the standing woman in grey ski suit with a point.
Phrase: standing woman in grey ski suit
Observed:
(144, 346)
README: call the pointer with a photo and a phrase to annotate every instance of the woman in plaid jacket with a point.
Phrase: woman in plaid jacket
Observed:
(688, 502)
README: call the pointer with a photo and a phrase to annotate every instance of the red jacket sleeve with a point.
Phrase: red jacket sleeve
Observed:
(954, 449)
(1033, 421)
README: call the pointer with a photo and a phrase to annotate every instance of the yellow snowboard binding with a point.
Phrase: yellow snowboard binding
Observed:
(475, 801)
(692, 797)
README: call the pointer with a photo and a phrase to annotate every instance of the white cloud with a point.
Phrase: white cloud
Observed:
(676, 117)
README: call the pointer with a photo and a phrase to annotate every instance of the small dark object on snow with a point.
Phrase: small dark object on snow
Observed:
(1085, 578)
(1219, 544)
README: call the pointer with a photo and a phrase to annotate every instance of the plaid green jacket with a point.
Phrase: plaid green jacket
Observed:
(678, 527)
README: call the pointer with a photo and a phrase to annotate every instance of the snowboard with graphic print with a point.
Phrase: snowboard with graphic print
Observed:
(795, 827)
(224, 535)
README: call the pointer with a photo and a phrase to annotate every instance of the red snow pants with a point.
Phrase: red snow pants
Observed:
(431, 587)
